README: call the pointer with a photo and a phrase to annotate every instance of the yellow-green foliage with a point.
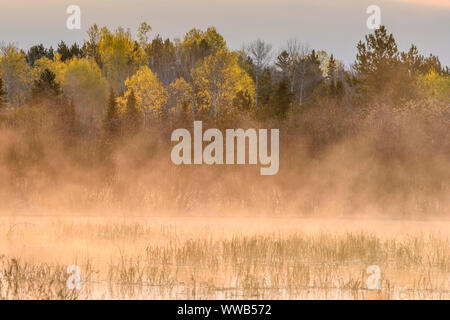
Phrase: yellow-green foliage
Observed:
(81, 81)
(151, 96)
(436, 85)
(120, 57)
(218, 80)
(181, 94)
(16, 73)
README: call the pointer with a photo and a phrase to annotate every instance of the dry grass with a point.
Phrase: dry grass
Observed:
(198, 258)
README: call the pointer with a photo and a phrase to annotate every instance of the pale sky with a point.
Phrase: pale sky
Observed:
(333, 25)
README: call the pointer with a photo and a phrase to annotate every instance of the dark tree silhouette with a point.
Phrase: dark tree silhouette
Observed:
(3, 94)
(46, 86)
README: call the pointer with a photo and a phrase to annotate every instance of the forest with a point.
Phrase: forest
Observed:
(88, 124)
(93, 206)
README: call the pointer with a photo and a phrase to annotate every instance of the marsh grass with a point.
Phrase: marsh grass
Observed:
(151, 259)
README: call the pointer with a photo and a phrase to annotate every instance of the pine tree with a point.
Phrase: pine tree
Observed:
(111, 120)
(377, 62)
(281, 99)
(331, 71)
(331, 77)
(46, 86)
(132, 115)
(64, 51)
(283, 62)
(37, 52)
(378, 53)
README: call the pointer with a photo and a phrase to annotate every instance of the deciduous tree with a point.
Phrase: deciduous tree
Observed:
(218, 80)
(16, 74)
(259, 52)
(120, 57)
(150, 95)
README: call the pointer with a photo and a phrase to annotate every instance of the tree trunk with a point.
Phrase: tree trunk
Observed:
(193, 108)
(301, 92)
(215, 102)
(256, 89)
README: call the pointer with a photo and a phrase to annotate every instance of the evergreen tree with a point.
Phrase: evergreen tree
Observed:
(377, 61)
(418, 64)
(281, 99)
(46, 86)
(378, 52)
(111, 120)
(132, 115)
(314, 58)
(331, 71)
(335, 86)
(37, 52)
(64, 51)
(76, 51)
(283, 62)
(266, 86)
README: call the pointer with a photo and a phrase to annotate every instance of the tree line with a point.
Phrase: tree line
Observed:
(123, 83)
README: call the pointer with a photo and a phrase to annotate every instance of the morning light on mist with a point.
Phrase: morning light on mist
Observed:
(220, 151)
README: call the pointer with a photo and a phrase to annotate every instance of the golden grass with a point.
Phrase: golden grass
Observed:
(223, 258)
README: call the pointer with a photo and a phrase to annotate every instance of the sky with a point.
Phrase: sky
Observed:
(333, 25)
